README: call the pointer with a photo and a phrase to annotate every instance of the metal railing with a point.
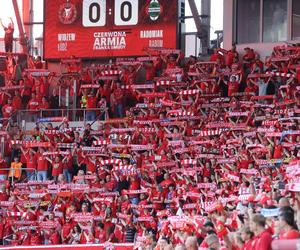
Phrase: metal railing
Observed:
(79, 115)
(19, 169)
(17, 48)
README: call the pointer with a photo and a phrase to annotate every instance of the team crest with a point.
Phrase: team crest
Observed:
(154, 10)
(67, 13)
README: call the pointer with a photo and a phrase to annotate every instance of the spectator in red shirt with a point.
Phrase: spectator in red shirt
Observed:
(118, 99)
(33, 106)
(91, 103)
(233, 85)
(246, 236)
(7, 109)
(42, 165)
(17, 101)
(287, 224)
(38, 62)
(44, 104)
(150, 71)
(263, 238)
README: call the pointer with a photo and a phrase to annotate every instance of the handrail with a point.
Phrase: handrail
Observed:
(26, 169)
(61, 112)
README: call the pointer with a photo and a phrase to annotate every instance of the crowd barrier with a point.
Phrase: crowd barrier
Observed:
(80, 115)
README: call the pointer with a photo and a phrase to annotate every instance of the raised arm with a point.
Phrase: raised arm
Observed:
(12, 23)
(2, 24)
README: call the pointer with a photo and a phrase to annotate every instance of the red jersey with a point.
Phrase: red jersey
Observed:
(233, 87)
(262, 241)
(91, 102)
(57, 169)
(3, 164)
(7, 110)
(42, 163)
(33, 104)
(290, 235)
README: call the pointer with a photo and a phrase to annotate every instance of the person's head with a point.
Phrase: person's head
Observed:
(283, 202)
(57, 159)
(84, 207)
(10, 25)
(191, 243)
(16, 159)
(163, 242)
(287, 218)
(44, 99)
(76, 229)
(257, 224)
(51, 216)
(246, 234)
(212, 241)
(49, 125)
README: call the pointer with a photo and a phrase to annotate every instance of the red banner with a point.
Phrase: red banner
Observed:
(102, 28)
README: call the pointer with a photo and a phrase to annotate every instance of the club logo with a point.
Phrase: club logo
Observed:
(154, 10)
(67, 13)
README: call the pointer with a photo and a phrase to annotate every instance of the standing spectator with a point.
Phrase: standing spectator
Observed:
(287, 224)
(54, 102)
(15, 169)
(91, 103)
(118, 97)
(262, 239)
(17, 101)
(42, 165)
(3, 173)
(9, 35)
(262, 85)
(33, 106)
(38, 62)
(31, 163)
(7, 109)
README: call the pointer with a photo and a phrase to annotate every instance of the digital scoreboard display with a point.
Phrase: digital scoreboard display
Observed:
(108, 28)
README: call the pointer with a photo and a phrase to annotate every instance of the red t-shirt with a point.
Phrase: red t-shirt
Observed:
(42, 163)
(33, 104)
(3, 164)
(57, 169)
(30, 162)
(290, 235)
(277, 152)
(91, 102)
(35, 240)
(233, 87)
(118, 95)
(91, 166)
(7, 110)
(262, 241)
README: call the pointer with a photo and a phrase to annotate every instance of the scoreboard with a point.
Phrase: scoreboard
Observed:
(108, 28)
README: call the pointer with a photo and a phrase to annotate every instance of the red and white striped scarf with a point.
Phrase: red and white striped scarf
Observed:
(188, 162)
(100, 142)
(111, 162)
(111, 72)
(189, 92)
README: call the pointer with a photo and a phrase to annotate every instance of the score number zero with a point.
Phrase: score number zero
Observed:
(94, 12)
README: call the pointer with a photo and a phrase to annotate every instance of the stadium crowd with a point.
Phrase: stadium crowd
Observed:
(201, 155)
